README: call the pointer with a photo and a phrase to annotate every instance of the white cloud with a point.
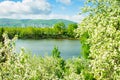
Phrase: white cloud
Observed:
(33, 9)
(75, 18)
(64, 1)
(25, 7)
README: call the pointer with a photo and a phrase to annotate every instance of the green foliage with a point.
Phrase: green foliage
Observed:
(23, 66)
(1, 32)
(59, 27)
(56, 52)
(85, 46)
(71, 28)
(6, 48)
(103, 30)
(58, 31)
(100, 38)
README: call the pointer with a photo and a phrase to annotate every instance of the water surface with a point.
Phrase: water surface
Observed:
(68, 48)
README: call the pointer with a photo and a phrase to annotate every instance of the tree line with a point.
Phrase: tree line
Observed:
(58, 31)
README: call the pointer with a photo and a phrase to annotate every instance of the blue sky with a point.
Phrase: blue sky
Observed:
(42, 9)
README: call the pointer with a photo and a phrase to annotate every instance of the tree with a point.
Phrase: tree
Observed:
(71, 28)
(1, 37)
(59, 27)
(103, 38)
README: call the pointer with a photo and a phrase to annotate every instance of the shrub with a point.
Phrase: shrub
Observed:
(23, 66)
(103, 28)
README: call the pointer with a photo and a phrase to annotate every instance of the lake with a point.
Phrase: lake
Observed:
(68, 48)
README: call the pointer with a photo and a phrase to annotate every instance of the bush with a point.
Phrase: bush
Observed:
(103, 28)
(23, 66)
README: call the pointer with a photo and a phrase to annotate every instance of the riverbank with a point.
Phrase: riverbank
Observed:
(38, 33)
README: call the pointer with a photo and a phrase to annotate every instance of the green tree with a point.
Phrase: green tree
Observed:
(59, 27)
(71, 28)
(1, 32)
(103, 37)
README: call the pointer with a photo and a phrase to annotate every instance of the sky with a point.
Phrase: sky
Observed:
(42, 9)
